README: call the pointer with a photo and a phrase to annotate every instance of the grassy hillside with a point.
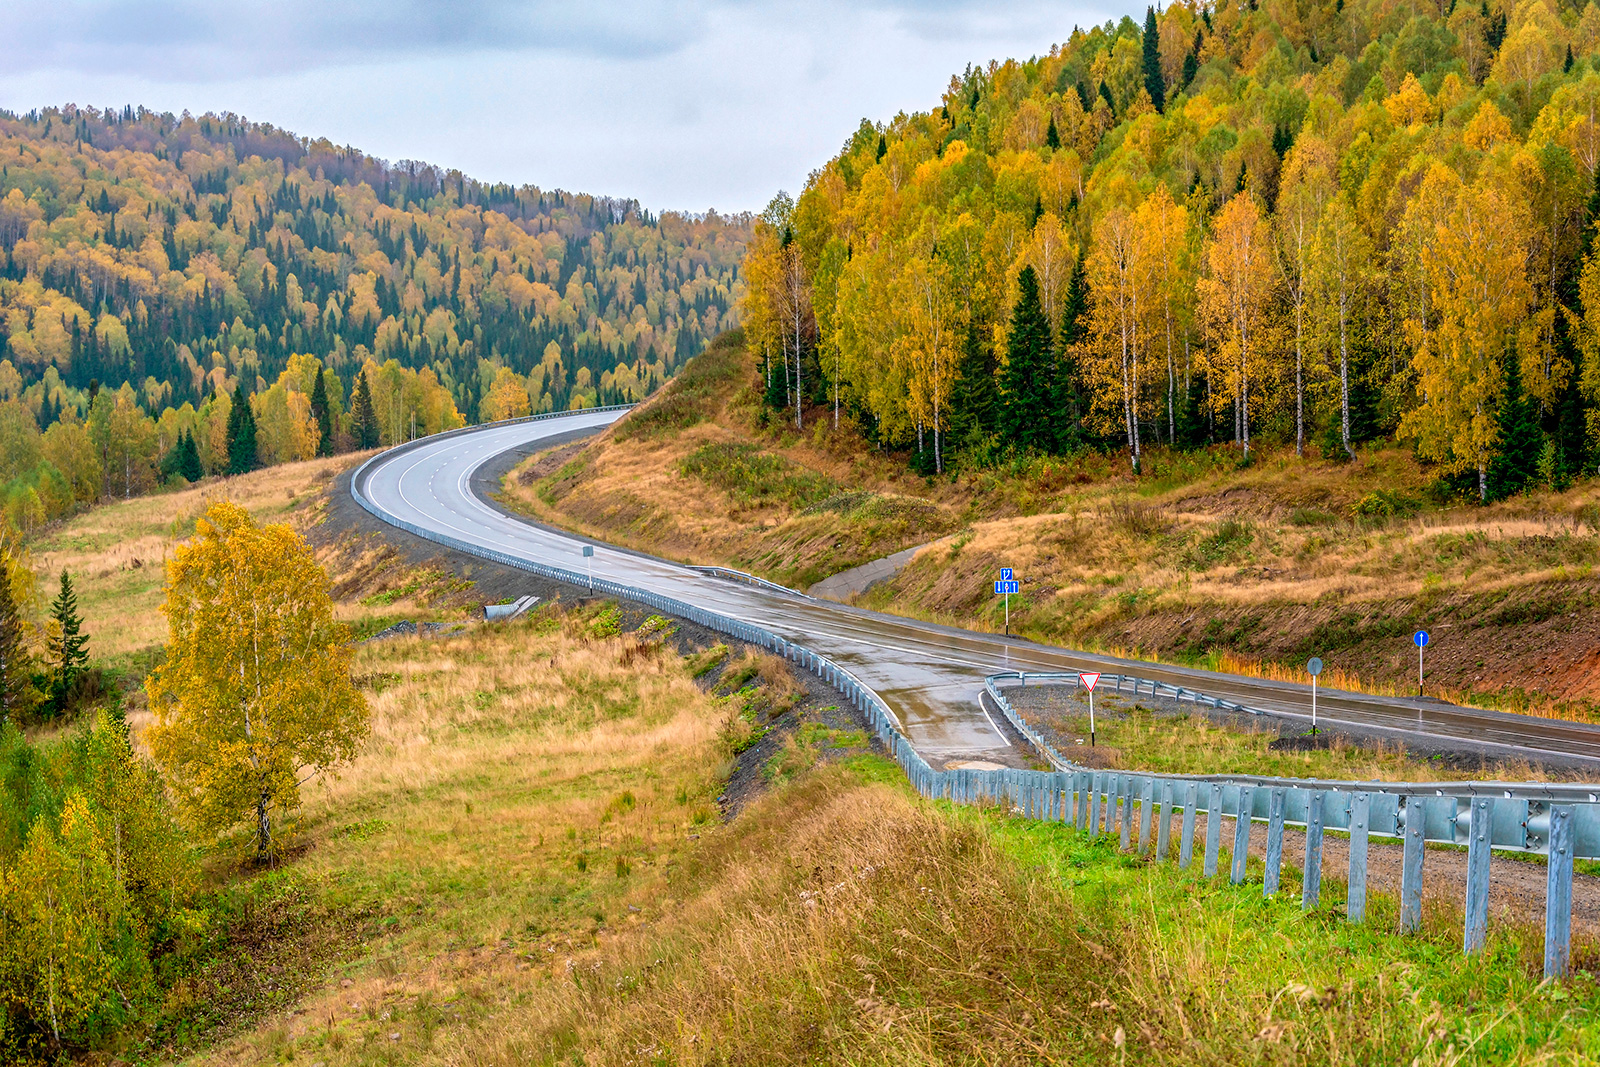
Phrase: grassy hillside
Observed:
(532, 861)
(700, 475)
(1198, 560)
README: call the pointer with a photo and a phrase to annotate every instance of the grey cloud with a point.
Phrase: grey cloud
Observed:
(200, 40)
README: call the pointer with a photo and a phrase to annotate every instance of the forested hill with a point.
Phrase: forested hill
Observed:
(1298, 222)
(187, 256)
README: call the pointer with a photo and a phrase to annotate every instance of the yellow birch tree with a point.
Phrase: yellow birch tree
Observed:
(1477, 273)
(1115, 283)
(255, 695)
(1234, 301)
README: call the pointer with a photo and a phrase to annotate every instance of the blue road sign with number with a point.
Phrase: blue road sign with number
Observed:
(1007, 587)
(1421, 638)
(1005, 574)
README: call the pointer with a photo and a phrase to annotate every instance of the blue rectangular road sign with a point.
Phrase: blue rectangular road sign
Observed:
(1007, 587)
(1005, 574)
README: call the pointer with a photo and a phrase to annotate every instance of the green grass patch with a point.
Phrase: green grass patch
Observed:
(755, 477)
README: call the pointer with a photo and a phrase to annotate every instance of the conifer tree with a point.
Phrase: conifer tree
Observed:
(320, 412)
(1517, 460)
(1025, 385)
(1154, 84)
(975, 401)
(364, 418)
(67, 644)
(189, 462)
(1191, 66)
(241, 434)
(1052, 136)
(17, 694)
(1069, 399)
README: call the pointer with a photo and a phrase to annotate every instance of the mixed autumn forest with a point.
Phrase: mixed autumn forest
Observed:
(155, 270)
(1294, 223)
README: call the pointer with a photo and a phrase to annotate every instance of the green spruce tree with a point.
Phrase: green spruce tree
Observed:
(1069, 399)
(1154, 84)
(1516, 460)
(68, 645)
(189, 463)
(975, 400)
(363, 417)
(1052, 136)
(241, 434)
(324, 417)
(1192, 429)
(1025, 384)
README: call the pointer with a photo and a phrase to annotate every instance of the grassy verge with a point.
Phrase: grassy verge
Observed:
(1132, 735)
(532, 839)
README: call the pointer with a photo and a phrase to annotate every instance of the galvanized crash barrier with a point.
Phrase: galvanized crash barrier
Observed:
(732, 575)
(1561, 822)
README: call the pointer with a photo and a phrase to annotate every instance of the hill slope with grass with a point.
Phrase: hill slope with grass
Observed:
(594, 834)
(1197, 560)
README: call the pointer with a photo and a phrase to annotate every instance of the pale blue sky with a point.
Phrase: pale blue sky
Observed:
(683, 104)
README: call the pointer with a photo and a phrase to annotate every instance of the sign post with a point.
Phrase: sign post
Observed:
(1088, 680)
(588, 557)
(1314, 668)
(1005, 587)
(1421, 639)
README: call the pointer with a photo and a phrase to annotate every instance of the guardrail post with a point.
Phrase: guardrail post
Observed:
(1241, 833)
(1558, 894)
(1096, 795)
(1164, 822)
(1191, 800)
(1412, 853)
(1213, 829)
(1477, 910)
(1274, 862)
(1356, 898)
(1147, 813)
(1109, 825)
(1311, 873)
(1125, 802)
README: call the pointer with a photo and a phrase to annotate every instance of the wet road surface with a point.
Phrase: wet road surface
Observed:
(930, 674)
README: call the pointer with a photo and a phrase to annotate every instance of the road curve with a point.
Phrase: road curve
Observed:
(931, 675)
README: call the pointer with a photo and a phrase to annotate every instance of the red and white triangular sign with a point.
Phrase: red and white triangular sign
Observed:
(1088, 680)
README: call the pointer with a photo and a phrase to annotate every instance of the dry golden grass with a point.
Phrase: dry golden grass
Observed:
(526, 789)
(117, 551)
(522, 798)
(630, 488)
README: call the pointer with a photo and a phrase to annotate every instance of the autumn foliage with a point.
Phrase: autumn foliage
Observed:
(255, 694)
(1305, 225)
(152, 266)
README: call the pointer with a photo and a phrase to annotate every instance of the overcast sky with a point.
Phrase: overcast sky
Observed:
(683, 103)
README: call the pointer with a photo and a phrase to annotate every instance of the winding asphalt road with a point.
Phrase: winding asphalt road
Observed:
(931, 675)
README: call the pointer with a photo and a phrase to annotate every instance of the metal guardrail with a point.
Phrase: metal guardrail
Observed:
(1559, 822)
(748, 579)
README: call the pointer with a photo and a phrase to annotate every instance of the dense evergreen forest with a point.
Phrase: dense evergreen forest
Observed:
(1298, 223)
(155, 270)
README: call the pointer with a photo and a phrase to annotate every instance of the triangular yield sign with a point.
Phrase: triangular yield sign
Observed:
(1088, 680)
